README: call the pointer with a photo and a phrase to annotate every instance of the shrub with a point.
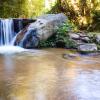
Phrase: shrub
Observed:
(60, 38)
(95, 25)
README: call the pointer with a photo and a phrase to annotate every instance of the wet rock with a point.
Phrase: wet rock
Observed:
(20, 36)
(88, 47)
(30, 39)
(20, 23)
(92, 54)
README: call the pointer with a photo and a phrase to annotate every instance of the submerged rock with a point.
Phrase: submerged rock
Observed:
(44, 27)
(70, 55)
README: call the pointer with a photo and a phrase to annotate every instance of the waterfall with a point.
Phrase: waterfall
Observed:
(9, 28)
(6, 31)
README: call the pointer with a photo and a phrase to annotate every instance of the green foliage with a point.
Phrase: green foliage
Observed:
(35, 7)
(21, 8)
(11, 8)
(98, 46)
(81, 12)
(60, 38)
(92, 36)
(95, 25)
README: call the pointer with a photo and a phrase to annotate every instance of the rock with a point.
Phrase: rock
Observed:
(74, 36)
(44, 27)
(82, 34)
(20, 23)
(78, 42)
(98, 38)
(70, 55)
(87, 47)
(92, 54)
(85, 39)
(47, 24)
(30, 39)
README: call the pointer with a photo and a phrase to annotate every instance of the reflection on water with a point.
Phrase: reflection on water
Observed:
(47, 76)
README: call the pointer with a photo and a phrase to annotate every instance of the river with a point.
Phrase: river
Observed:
(46, 75)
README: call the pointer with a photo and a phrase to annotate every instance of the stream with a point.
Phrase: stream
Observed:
(46, 75)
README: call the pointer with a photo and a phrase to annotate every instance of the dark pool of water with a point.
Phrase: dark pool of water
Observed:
(45, 75)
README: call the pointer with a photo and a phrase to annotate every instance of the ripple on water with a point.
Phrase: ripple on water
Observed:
(45, 75)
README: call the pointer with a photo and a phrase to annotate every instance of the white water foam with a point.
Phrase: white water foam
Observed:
(11, 49)
(7, 37)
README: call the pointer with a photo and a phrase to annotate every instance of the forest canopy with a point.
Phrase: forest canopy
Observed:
(21, 8)
(84, 13)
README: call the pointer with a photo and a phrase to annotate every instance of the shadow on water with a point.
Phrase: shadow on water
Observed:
(45, 75)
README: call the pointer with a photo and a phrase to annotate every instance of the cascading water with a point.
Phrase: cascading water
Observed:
(7, 35)
(6, 31)
(9, 28)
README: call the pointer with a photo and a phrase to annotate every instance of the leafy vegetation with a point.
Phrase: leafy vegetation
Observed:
(95, 25)
(21, 8)
(60, 38)
(92, 36)
(82, 12)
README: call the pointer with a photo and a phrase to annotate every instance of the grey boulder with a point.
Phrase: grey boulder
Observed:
(41, 29)
(88, 47)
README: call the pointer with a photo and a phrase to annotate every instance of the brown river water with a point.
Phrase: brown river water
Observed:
(46, 75)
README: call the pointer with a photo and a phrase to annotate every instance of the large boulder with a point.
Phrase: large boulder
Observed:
(41, 29)
(87, 47)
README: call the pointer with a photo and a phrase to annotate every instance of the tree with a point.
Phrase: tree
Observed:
(20, 8)
(81, 12)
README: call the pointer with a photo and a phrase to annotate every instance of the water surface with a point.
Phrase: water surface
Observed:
(45, 75)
